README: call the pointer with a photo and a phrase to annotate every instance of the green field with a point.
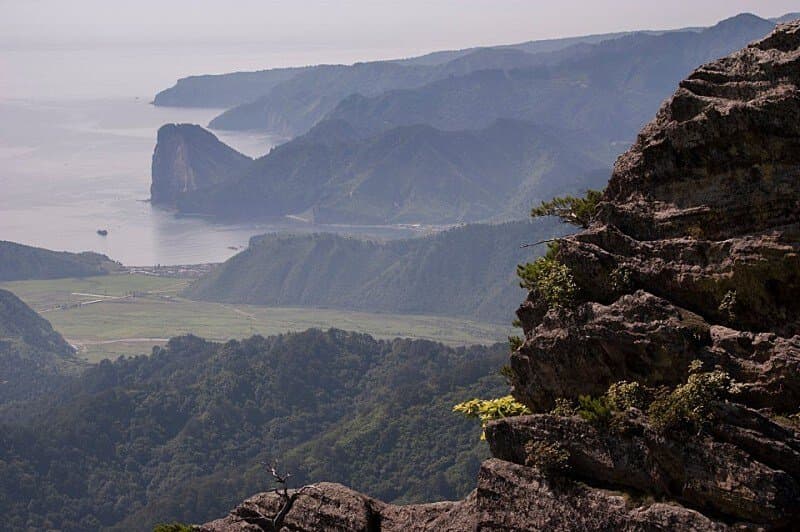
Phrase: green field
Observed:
(114, 315)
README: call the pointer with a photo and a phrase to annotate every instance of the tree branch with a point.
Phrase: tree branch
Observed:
(274, 524)
(530, 245)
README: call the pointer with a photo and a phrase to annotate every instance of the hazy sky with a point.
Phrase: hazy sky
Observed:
(112, 48)
(411, 24)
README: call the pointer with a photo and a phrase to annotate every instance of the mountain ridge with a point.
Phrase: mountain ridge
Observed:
(294, 106)
(581, 90)
(465, 148)
(236, 88)
(20, 262)
(410, 174)
(467, 271)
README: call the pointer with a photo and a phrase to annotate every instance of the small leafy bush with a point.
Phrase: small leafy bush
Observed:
(564, 408)
(487, 410)
(507, 372)
(514, 342)
(551, 280)
(595, 410)
(173, 527)
(624, 395)
(687, 405)
(548, 458)
(572, 210)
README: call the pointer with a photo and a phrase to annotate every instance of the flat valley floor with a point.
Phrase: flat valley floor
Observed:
(127, 314)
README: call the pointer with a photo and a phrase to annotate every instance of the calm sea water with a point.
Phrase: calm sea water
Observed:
(75, 154)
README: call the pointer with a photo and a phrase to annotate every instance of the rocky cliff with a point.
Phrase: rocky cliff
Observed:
(189, 158)
(667, 389)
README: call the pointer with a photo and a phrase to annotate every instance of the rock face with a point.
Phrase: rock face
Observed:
(189, 158)
(335, 508)
(693, 255)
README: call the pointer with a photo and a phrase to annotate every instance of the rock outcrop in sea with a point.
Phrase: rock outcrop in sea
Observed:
(688, 293)
(187, 158)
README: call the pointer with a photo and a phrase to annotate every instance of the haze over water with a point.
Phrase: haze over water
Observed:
(75, 155)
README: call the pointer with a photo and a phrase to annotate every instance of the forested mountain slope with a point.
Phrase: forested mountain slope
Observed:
(412, 174)
(34, 359)
(19, 262)
(468, 271)
(184, 433)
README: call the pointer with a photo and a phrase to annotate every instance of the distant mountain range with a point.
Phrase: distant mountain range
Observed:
(609, 89)
(20, 262)
(468, 271)
(237, 88)
(291, 101)
(455, 137)
(411, 174)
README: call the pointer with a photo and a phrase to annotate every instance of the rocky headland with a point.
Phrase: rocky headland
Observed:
(189, 158)
(666, 388)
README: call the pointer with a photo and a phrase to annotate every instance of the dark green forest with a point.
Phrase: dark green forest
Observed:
(183, 433)
(34, 358)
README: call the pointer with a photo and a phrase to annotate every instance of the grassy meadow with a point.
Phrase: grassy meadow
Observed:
(124, 314)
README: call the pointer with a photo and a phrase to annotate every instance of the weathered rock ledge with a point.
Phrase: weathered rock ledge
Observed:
(693, 255)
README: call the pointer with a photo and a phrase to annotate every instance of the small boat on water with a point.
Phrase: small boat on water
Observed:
(102, 232)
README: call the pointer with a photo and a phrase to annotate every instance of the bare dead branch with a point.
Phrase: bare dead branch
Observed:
(539, 243)
(274, 524)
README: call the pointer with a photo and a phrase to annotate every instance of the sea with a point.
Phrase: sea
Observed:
(77, 133)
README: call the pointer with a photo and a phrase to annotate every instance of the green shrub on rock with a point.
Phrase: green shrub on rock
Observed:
(550, 280)
(487, 410)
(595, 410)
(620, 279)
(623, 395)
(564, 408)
(173, 527)
(687, 405)
(572, 210)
